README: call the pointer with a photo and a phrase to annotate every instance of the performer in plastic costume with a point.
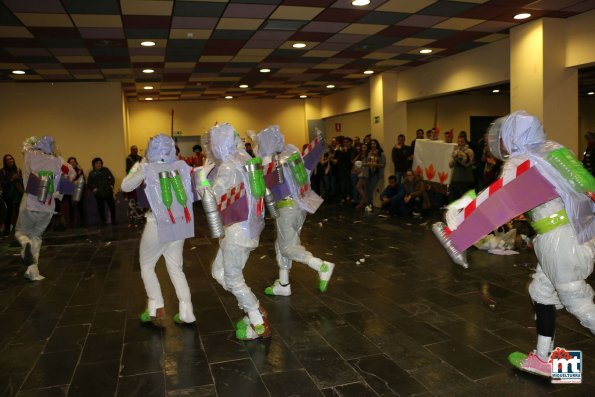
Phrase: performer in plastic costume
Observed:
(292, 212)
(241, 237)
(564, 245)
(37, 207)
(167, 181)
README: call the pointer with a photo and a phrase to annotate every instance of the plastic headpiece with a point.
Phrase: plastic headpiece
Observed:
(223, 141)
(270, 141)
(518, 132)
(162, 148)
(44, 144)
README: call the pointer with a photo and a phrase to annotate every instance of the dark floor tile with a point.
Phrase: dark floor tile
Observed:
(186, 369)
(99, 379)
(200, 391)
(404, 351)
(56, 391)
(291, 383)
(238, 379)
(145, 385)
(271, 355)
(141, 357)
(348, 342)
(321, 317)
(369, 324)
(52, 369)
(358, 389)
(523, 337)
(67, 338)
(223, 347)
(11, 321)
(102, 347)
(443, 380)
(74, 315)
(300, 336)
(20, 357)
(213, 320)
(481, 316)
(386, 377)
(421, 332)
(10, 382)
(137, 331)
(326, 367)
(468, 361)
(105, 322)
(36, 329)
(181, 337)
(473, 336)
(113, 302)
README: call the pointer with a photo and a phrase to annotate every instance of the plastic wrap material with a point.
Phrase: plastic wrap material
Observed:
(458, 257)
(36, 163)
(77, 195)
(176, 227)
(209, 205)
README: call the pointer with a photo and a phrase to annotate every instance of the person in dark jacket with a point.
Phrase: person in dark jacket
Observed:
(589, 155)
(11, 181)
(101, 183)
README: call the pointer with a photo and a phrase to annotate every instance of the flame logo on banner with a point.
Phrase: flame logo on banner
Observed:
(442, 176)
(419, 171)
(430, 172)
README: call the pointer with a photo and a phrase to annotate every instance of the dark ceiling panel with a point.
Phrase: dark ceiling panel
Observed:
(193, 42)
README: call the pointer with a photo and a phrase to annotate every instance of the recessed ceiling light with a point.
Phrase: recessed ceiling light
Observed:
(147, 43)
(243, 85)
(148, 87)
(495, 91)
(299, 45)
(523, 15)
(591, 93)
(360, 3)
(148, 99)
(303, 96)
(425, 51)
(228, 97)
(265, 70)
(18, 72)
(368, 72)
(330, 86)
(148, 71)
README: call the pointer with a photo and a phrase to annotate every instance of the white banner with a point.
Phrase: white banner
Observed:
(431, 160)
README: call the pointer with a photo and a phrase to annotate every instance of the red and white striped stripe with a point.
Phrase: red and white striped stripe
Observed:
(493, 188)
(232, 195)
(311, 146)
(304, 189)
(270, 167)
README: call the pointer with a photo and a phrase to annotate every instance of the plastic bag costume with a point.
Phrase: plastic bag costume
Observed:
(233, 181)
(42, 176)
(293, 200)
(166, 182)
(564, 245)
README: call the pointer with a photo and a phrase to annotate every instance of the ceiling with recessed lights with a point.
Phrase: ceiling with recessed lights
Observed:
(208, 49)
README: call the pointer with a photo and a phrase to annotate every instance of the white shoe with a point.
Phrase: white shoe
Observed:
(278, 290)
(32, 273)
(325, 273)
(369, 208)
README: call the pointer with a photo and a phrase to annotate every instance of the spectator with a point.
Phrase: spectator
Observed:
(101, 183)
(356, 141)
(415, 197)
(248, 147)
(328, 180)
(198, 157)
(419, 134)
(132, 158)
(376, 163)
(11, 181)
(343, 156)
(367, 140)
(357, 156)
(72, 205)
(391, 198)
(435, 134)
(492, 167)
(401, 154)
(361, 168)
(589, 155)
(448, 136)
(462, 174)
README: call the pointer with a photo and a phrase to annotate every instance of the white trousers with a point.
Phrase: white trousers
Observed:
(288, 246)
(30, 227)
(149, 253)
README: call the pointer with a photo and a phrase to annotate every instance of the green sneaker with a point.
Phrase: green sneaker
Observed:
(243, 323)
(176, 319)
(278, 290)
(517, 359)
(145, 317)
(325, 273)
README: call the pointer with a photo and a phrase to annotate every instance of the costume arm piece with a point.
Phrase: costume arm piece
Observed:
(135, 177)
(572, 170)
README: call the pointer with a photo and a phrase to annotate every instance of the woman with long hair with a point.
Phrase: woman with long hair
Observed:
(376, 163)
(72, 205)
(11, 179)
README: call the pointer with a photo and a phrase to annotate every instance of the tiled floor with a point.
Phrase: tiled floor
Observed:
(404, 321)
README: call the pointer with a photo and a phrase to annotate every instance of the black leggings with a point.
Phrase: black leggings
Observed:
(545, 319)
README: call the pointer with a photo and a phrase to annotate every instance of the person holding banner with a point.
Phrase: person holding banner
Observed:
(293, 202)
(169, 222)
(544, 178)
(42, 174)
(239, 186)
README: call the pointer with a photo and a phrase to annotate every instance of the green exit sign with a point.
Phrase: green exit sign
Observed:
(376, 119)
